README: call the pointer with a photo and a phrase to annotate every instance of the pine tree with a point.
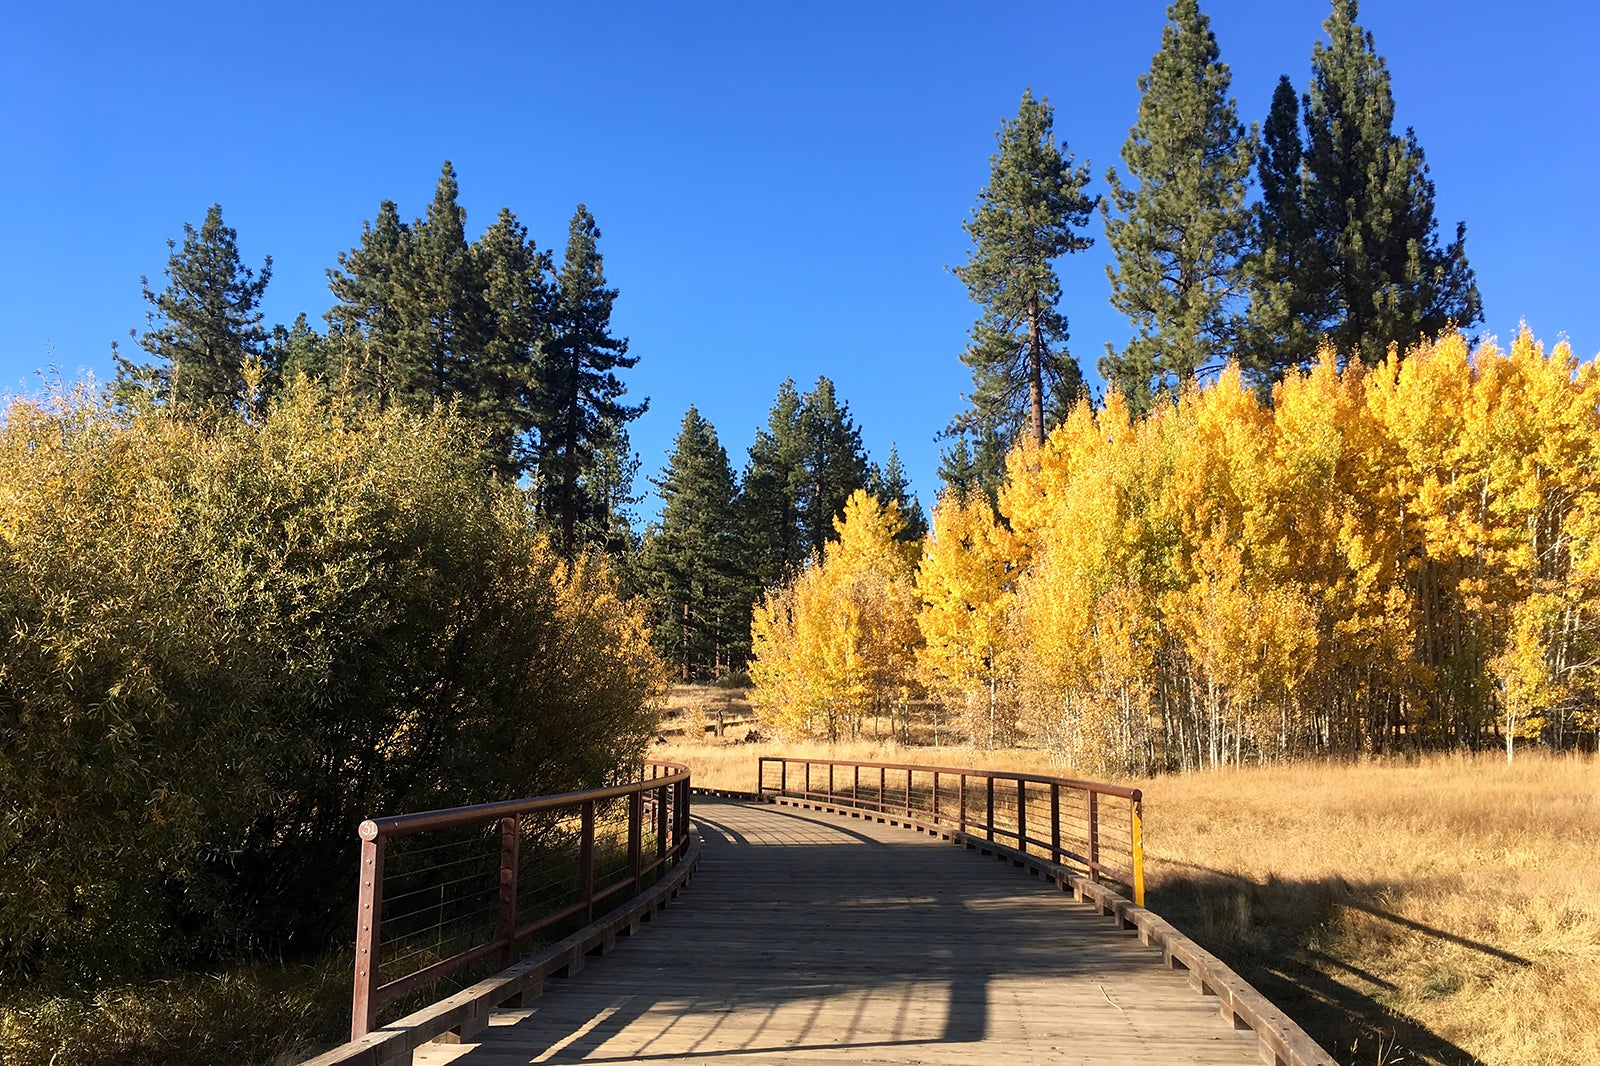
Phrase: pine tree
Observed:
(1284, 321)
(976, 462)
(769, 499)
(1378, 266)
(442, 306)
(888, 484)
(203, 327)
(1025, 219)
(500, 385)
(366, 327)
(833, 464)
(579, 409)
(689, 566)
(1180, 242)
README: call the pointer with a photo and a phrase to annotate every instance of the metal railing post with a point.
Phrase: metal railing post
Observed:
(961, 804)
(936, 797)
(1055, 823)
(369, 913)
(1022, 816)
(636, 840)
(1136, 830)
(506, 911)
(662, 810)
(586, 859)
(989, 821)
(783, 777)
(1094, 835)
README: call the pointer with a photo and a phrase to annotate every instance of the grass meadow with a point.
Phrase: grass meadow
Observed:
(1437, 910)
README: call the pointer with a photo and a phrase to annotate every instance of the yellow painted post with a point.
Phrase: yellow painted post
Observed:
(1138, 848)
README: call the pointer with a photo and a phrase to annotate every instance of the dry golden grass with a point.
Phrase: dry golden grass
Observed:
(1445, 910)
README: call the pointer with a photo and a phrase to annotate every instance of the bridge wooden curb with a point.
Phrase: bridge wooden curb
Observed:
(1280, 1040)
(467, 1012)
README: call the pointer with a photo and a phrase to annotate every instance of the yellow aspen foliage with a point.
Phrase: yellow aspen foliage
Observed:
(964, 585)
(1405, 556)
(836, 646)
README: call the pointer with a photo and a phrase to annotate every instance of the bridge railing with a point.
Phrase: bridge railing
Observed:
(1085, 825)
(442, 890)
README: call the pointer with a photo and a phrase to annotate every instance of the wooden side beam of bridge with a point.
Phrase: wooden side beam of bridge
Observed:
(812, 938)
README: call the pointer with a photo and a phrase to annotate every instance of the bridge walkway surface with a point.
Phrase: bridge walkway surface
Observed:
(808, 937)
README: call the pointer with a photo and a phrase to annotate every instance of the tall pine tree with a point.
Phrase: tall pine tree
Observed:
(833, 462)
(769, 499)
(1286, 315)
(1180, 240)
(500, 385)
(367, 341)
(888, 483)
(204, 326)
(580, 406)
(1026, 218)
(690, 565)
(1377, 266)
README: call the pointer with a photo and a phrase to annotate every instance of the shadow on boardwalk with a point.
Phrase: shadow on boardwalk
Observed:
(815, 938)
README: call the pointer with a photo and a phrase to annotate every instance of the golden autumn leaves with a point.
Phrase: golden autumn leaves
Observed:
(1402, 556)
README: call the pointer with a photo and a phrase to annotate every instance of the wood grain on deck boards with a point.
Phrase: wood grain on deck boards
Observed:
(814, 938)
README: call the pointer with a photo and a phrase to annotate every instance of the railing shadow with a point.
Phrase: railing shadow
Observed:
(1267, 930)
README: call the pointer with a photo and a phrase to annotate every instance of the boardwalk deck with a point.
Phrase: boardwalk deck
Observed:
(812, 938)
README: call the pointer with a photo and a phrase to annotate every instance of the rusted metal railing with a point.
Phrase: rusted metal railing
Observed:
(1084, 825)
(462, 885)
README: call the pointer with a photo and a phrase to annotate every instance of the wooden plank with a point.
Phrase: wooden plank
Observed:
(813, 938)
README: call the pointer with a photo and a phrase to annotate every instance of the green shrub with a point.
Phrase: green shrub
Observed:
(225, 645)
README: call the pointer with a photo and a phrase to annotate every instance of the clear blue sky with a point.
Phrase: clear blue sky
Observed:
(780, 186)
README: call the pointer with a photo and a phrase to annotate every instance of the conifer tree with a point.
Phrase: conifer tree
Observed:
(1284, 322)
(832, 461)
(769, 498)
(203, 327)
(442, 307)
(366, 330)
(1180, 240)
(1026, 218)
(690, 563)
(887, 483)
(500, 386)
(580, 407)
(1378, 265)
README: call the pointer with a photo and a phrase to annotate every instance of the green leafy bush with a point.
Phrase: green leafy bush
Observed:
(223, 645)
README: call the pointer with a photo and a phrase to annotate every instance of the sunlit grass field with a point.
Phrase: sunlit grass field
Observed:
(1441, 910)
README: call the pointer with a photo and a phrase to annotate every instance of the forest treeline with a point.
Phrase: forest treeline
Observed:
(1379, 560)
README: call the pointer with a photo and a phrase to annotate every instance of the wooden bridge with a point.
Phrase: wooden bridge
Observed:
(835, 923)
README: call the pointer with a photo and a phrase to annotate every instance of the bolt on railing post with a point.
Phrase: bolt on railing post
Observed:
(1055, 822)
(1136, 829)
(586, 858)
(989, 821)
(636, 840)
(1094, 836)
(506, 912)
(369, 913)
